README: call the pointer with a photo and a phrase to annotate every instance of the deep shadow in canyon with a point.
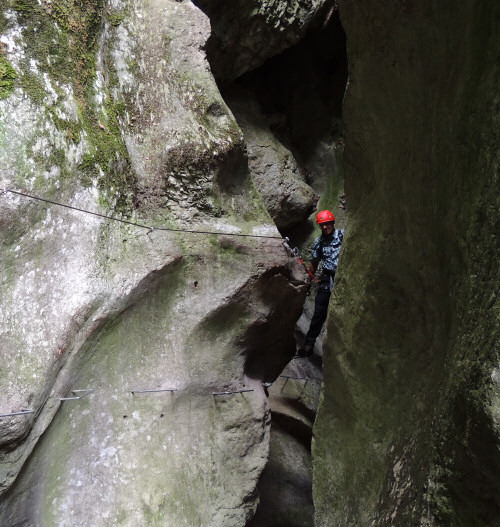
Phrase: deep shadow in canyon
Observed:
(299, 95)
(403, 391)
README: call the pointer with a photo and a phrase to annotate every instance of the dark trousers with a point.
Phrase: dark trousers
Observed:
(320, 310)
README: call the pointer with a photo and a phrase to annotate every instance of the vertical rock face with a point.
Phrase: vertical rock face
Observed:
(275, 171)
(286, 483)
(111, 107)
(281, 69)
(408, 432)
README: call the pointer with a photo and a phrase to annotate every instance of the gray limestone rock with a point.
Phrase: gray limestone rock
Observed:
(131, 126)
(246, 33)
(274, 170)
(285, 487)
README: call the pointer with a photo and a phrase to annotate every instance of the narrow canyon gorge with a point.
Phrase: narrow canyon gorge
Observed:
(159, 162)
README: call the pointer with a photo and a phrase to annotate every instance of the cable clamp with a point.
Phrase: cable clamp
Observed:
(293, 251)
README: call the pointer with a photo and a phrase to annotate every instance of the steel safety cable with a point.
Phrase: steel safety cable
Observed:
(140, 225)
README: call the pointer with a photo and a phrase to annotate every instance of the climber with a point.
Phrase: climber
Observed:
(326, 249)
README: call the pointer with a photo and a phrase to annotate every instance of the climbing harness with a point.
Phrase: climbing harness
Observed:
(296, 254)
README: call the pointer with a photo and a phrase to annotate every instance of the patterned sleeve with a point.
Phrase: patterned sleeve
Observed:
(316, 250)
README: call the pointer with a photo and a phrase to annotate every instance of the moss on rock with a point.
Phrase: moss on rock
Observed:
(8, 76)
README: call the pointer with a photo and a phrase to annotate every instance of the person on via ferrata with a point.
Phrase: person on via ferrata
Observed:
(326, 249)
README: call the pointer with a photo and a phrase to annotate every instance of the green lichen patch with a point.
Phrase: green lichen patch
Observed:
(61, 49)
(51, 42)
(32, 86)
(80, 22)
(8, 76)
(61, 37)
(115, 18)
(23, 6)
(107, 160)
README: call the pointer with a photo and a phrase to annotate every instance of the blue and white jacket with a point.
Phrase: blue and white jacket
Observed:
(327, 250)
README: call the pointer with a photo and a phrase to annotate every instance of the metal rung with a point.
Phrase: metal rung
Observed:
(21, 412)
(85, 392)
(154, 391)
(232, 392)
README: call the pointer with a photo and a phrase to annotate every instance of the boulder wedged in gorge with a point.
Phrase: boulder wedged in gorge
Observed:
(274, 170)
(113, 109)
(407, 432)
(247, 33)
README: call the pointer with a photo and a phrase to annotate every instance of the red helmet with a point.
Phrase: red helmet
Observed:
(324, 216)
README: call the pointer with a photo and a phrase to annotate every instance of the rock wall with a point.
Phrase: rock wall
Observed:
(111, 107)
(247, 33)
(285, 486)
(408, 426)
(275, 171)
